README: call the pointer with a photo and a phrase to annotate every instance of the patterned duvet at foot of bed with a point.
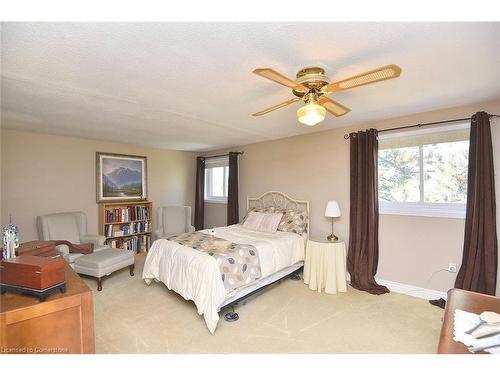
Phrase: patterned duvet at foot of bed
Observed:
(239, 263)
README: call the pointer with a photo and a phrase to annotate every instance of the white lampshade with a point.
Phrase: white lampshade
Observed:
(332, 209)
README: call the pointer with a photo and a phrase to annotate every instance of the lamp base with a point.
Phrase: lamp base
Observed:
(332, 237)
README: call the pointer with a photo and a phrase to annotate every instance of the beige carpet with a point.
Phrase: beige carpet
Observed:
(131, 317)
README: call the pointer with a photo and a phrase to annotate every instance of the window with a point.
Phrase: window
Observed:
(216, 175)
(424, 172)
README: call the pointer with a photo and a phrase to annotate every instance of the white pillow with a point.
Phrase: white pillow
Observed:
(263, 222)
(252, 220)
(270, 222)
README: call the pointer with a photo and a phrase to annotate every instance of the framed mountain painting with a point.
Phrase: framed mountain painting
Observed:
(120, 177)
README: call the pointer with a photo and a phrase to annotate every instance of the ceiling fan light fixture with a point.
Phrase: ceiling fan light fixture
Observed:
(312, 86)
(311, 114)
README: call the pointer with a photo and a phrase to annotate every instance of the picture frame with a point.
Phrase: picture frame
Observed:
(120, 177)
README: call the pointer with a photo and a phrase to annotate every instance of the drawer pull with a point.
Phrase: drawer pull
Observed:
(38, 272)
(55, 256)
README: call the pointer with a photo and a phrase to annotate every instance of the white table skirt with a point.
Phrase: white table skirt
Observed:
(325, 266)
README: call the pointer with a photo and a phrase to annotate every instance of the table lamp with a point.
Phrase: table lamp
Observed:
(332, 210)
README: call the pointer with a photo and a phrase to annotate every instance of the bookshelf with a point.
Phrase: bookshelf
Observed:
(127, 225)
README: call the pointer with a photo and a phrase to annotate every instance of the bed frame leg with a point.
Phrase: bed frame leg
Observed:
(296, 276)
(231, 316)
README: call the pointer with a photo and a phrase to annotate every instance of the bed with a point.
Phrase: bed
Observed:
(185, 266)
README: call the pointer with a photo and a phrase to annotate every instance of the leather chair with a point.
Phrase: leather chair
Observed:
(173, 220)
(69, 226)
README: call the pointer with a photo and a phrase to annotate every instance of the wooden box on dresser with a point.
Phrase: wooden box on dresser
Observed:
(127, 225)
(38, 248)
(64, 323)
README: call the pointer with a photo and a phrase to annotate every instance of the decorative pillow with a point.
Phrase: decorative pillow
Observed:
(270, 222)
(259, 209)
(252, 220)
(263, 222)
(293, 221)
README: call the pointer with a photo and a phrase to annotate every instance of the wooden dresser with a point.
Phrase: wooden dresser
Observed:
(64, 323)
(468, 301)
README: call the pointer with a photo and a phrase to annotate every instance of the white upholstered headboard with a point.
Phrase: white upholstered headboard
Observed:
(280, 200)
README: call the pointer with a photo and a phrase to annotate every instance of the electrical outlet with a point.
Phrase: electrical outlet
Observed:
(452, 267)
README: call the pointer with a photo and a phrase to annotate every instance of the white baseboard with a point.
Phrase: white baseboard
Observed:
(411, 290)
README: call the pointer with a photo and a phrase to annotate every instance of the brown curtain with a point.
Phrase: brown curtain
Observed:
(478, 272)
(362, 256)
(199, 206)
(232, 190)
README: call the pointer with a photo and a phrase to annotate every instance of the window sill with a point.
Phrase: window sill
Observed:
(215, 201)
(443, 210)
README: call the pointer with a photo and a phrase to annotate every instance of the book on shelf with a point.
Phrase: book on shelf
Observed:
(126, 229)
(130, 213)
(127, 225)
(136, 244)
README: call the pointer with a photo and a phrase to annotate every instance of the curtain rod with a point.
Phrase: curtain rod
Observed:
(347, 136)
(219, 156)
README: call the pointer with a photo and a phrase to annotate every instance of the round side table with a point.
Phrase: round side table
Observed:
(325, 266)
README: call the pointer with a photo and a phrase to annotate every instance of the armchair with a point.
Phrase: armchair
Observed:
(173, 220)
(70, 226)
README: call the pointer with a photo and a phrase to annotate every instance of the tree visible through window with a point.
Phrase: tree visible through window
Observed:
(445, 172)
(399, 174)
(423, 169)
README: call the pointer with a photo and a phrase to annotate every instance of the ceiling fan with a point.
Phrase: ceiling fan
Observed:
(312, 85)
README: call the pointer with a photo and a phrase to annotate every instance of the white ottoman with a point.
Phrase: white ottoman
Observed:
(104, 262)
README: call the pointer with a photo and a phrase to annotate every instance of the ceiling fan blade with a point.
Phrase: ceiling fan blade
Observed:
(332, 106)
(280, 78)
(379, 74)
(277, 106)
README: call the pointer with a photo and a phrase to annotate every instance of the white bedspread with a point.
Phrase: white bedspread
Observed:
(196, 276)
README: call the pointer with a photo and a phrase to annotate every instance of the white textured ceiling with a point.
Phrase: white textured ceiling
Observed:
(189, 86)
